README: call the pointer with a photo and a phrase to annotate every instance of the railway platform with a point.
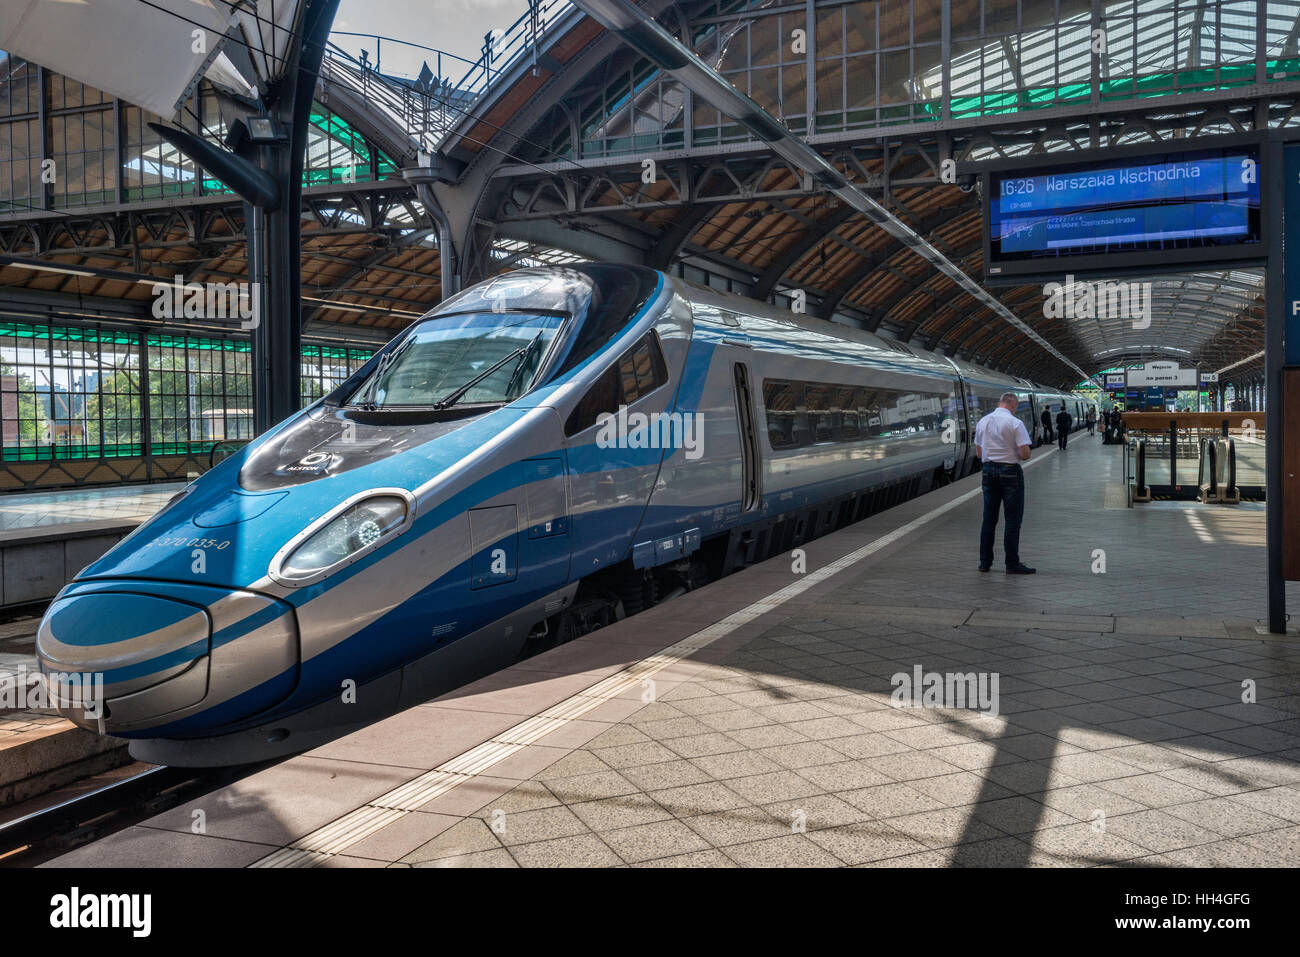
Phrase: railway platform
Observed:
(40, 751)
(47, 537)
(1125, 708)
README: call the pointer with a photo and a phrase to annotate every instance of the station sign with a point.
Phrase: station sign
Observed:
(1115, 380)
(1209, 377)
(1290, 261)
(1124, 208)
(1161, 374)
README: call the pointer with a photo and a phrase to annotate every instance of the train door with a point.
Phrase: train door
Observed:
(545, 546)
(1034, 419)
(614, 447)
(750, 468)
(958, 410)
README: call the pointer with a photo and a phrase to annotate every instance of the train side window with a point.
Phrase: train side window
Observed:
(800, 414)
(912, 413)
(642, 369)
(602, 397)
(802, 426)
(627, 379)
(779, 402)
(869, 413)
(636, 374)
(819, 413)
(847, 410)
(887, 409)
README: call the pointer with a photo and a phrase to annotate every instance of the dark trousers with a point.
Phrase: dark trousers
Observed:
(1004, 489)
(1064, 436)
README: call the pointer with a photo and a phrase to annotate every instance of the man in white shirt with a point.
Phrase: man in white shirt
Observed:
(1002, 442)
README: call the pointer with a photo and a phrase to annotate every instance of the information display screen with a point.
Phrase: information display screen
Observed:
(1206, 201)
(1145, 400)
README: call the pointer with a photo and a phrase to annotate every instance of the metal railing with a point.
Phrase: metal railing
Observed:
(428, 105)
(519, 40)
(425, 111)
(1135, 471)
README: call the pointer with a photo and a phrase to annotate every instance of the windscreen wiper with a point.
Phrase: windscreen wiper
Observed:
(452, 398)
(367, 402)
(519, 366)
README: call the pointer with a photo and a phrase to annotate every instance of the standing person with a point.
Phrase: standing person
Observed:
(1092, 420)
(1002, 442)
(1047, 425)
(1063, 423)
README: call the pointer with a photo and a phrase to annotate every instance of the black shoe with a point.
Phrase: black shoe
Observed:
(984, 567)
(1021, 569)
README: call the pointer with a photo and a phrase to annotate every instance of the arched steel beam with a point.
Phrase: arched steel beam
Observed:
(938, 336)
(366, 263)
(1006, 354)
(914, 327)
(1009, 352)
(679, 233)
(956, 325)
(871, 264)
(741, 237)
(1013, 351)
(793, 253)
(990, 333)
(832, 299)
(912, 287)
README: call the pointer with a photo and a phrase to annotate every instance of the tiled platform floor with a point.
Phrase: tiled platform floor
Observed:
(45, 509)
(1121, 735)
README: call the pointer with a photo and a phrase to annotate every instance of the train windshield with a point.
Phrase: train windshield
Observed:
(479, 357)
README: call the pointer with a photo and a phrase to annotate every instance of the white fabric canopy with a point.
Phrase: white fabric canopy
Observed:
(148, 53)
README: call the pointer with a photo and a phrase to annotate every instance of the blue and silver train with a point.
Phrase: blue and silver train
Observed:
(538, 456)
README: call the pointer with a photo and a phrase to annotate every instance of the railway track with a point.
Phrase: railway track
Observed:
(45, 834)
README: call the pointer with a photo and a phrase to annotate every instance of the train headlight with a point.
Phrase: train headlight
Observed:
(350, 532)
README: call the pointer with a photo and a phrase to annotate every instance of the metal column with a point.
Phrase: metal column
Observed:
(266, 172)
(1274, 182)
(277, 340)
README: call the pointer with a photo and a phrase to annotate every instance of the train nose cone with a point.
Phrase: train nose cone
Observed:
(116, 661)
